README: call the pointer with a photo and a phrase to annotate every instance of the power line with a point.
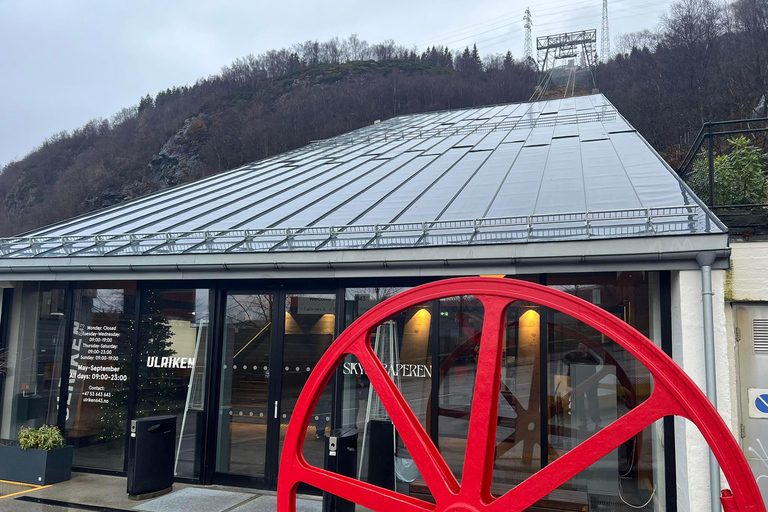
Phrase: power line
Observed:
(496, 21)
(501, 21)
(556, 26)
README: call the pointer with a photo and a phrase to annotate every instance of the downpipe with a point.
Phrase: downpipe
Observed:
(705, 260)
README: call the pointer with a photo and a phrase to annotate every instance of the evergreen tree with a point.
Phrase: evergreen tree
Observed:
(508, 61)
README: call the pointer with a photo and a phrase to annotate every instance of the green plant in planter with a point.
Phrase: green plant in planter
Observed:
(43, 438)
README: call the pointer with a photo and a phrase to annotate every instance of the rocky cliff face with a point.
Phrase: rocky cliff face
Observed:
(178, 159)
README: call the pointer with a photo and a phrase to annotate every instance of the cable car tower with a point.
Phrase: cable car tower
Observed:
(569, 45)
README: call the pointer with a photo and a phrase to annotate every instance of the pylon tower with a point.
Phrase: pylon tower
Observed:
(605, 37)
(528, 37)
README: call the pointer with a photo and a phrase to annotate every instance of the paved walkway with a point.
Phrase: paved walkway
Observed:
(107, 494)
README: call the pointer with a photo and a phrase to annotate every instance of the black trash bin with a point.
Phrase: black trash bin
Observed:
(151, 456)
(340, 458)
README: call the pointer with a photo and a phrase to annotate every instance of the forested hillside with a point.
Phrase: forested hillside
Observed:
(703, 63)
(256, 107)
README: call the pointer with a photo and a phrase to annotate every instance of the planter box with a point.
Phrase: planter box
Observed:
(39, 467)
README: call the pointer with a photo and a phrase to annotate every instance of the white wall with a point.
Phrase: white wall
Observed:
(747, 280)
(688, 350)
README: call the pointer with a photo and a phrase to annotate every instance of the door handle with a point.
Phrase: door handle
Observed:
(275, 409)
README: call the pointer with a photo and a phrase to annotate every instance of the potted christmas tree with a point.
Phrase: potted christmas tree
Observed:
(39, 457)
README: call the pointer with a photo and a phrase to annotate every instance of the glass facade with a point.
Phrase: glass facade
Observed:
(561, 382)
(34, 355)
(99, 374)
(171, 374)
(244, 389)
(125, 350)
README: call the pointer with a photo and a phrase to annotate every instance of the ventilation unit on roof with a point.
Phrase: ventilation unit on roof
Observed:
(377, 121)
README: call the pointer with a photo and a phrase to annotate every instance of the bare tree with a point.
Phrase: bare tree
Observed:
(649, 39)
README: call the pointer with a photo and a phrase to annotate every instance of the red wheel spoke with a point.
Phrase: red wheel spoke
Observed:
(557, 473)
(478, 461)
(362, 493)
(675, 394)
(433, 468)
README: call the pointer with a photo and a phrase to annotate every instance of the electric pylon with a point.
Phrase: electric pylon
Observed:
(605, 38)
(528, 37)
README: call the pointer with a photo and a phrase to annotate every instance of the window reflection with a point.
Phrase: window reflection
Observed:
(592, 382)
(100, 370)
(585, 382)
(310, 327)
(33, 359)
(244, 389)
(173, 336)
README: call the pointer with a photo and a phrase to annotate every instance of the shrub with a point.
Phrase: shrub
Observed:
(43, 438)
(740, 176)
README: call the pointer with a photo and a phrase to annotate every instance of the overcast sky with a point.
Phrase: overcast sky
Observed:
(63, 63)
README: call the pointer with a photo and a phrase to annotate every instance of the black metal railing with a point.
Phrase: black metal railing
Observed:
(709, 132)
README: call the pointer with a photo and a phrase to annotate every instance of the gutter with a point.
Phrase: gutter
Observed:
(705, 260)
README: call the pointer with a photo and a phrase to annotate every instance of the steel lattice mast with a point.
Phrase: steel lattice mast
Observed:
(605, 38)
(528, 37)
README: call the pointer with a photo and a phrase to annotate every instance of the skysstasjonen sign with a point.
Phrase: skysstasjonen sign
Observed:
(420, 371)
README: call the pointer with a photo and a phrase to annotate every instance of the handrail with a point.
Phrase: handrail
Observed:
(593, 223)
(706, 131)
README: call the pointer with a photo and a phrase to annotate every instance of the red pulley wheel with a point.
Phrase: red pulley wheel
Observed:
(674, 394)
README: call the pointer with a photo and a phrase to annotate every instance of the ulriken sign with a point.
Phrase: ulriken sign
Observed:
(170, 362)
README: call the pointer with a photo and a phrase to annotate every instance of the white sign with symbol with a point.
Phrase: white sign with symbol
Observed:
(758, 403)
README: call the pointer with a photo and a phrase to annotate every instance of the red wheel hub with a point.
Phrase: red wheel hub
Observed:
(674, 394)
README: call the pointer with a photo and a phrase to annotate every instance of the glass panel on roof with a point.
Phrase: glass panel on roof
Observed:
(562, 186)
(474, 199)
(213, 214)
(388, 209)
(491, 141)
(378, 192)
(102, 221)
(143, 215)
(517, 135)
(606, 183)
(592, 131)
(540, 135)
(437, 196)
(348, 191)
(520, 190)
(268, 211)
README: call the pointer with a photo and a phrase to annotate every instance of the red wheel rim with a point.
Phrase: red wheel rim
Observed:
(674, 394)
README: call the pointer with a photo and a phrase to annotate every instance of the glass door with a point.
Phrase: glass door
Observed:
(310, 326)
(270, 344)
(244, 391)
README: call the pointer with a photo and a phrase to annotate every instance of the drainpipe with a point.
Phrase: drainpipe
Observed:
(705, 260)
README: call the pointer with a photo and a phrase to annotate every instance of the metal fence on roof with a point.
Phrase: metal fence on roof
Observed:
(581, 225)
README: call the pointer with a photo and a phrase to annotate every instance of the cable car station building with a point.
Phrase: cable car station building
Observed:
(214, 300)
